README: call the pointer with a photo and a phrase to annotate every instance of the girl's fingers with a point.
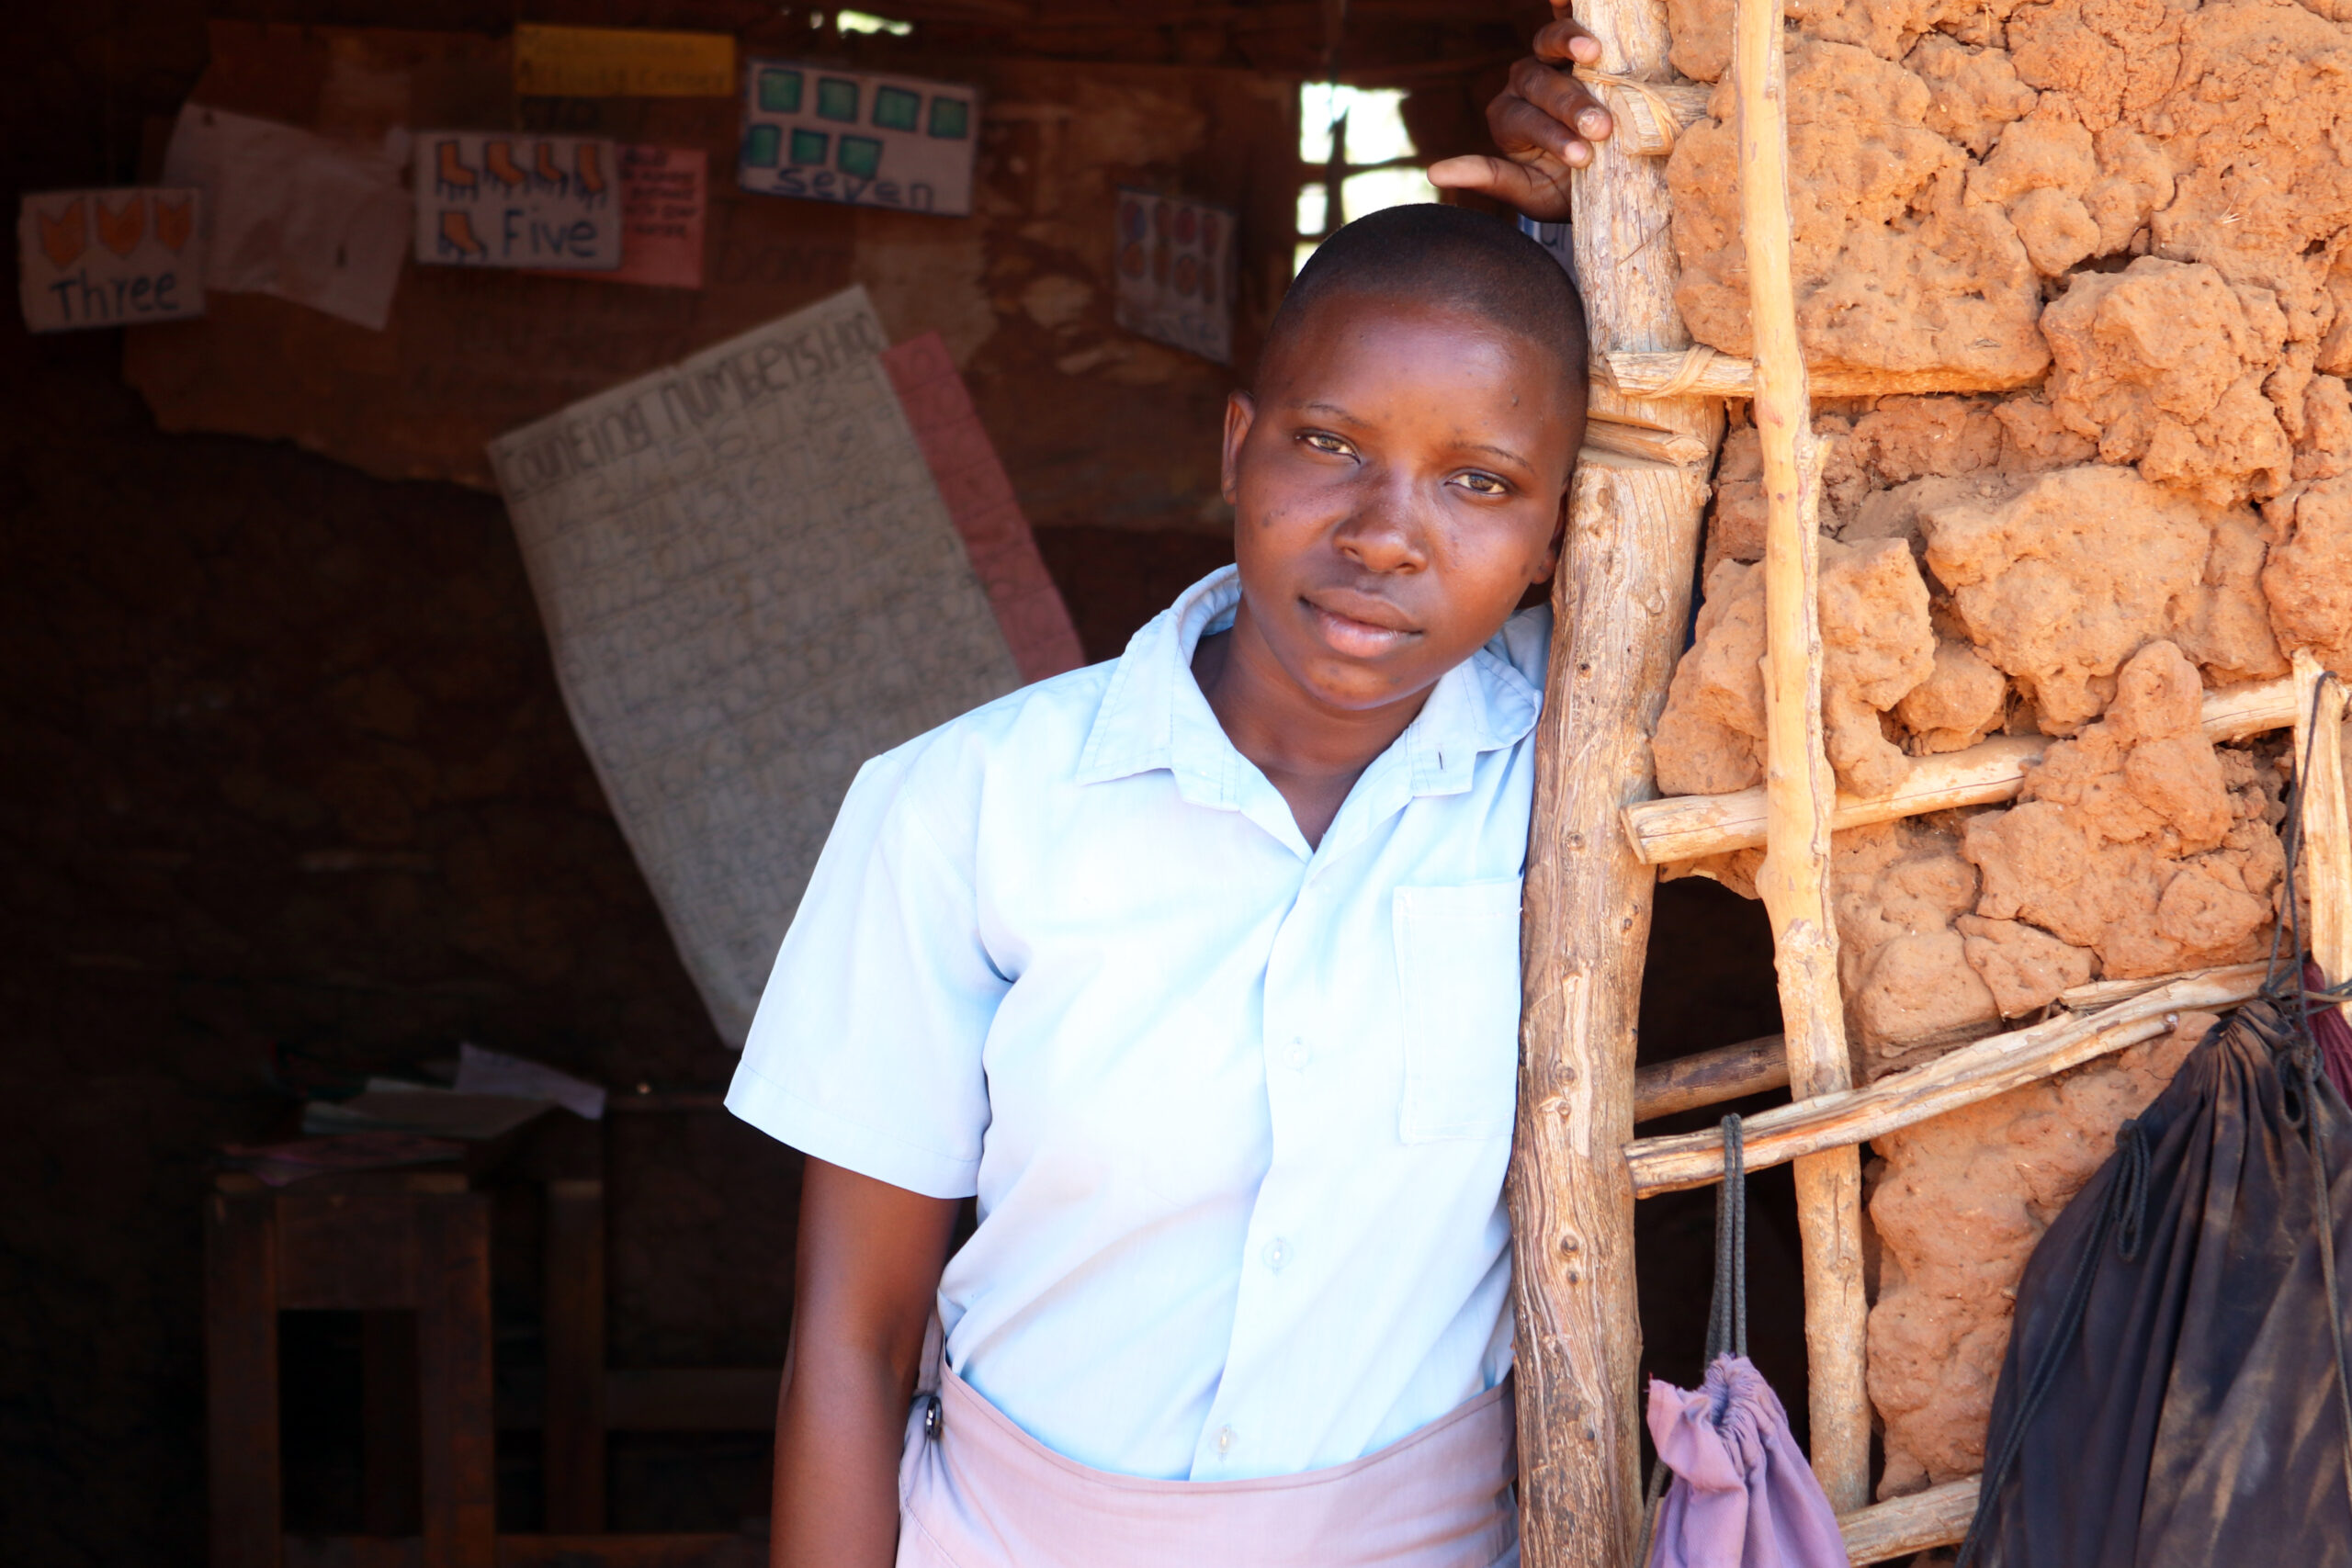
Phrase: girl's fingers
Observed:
(1562, 96)
(1565, 41)
(1521, 129)
(1538, 188)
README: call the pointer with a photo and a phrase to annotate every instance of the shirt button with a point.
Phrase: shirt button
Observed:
(1297, 1054)
(1225, 1439)
(1277, 1253)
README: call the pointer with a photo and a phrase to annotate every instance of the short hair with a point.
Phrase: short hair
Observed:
(1451, 255)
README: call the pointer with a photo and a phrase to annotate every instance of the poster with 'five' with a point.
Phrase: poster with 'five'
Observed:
(509, 199)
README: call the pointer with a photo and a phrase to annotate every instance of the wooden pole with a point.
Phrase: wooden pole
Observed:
(1800, 792)
(1974, 1072)
(2326, 870)
(1685, 826)
(1622, 603)
(1622, 599)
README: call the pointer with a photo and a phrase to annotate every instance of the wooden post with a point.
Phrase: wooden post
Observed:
(1800, 791)
(574, 1438)
(2326, 871)
(1622, 603)
(460, 1480)
(240, 1378)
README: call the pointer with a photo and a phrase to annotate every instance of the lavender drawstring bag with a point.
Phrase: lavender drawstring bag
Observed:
(1743, 1495)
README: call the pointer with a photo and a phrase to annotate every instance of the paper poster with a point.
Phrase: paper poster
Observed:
(665, 196)
(830, 135)
(1175, 271)
(109, 258)
(751, 585)
(980, 502)
(509, 199)
(616, 63)
(291, 213)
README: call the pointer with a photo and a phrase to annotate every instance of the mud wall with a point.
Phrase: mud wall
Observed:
(2097, 254)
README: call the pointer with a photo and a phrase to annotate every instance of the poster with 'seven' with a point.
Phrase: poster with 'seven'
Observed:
(751, 585)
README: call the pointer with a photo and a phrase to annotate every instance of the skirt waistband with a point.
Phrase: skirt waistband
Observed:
(980, 1493)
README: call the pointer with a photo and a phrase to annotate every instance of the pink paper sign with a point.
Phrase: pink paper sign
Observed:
(980, 502)
(665, 192)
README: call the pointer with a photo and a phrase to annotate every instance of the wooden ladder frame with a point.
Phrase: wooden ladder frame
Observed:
(1622, 601)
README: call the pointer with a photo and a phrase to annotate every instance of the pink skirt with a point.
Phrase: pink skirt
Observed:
(977, 1491)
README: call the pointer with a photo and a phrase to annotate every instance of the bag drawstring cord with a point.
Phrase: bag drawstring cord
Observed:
(1726, 1310)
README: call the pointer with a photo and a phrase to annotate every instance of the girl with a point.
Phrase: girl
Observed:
(1200, 969)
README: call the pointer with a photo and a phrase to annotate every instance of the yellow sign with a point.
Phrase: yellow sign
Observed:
(621, 63)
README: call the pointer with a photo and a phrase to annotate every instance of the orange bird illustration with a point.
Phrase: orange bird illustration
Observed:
(498, 157)
(457, 235)
(449, 174)
(174, 221)
(584, 165)
(545, 167)
(121, 231)
(64, 236)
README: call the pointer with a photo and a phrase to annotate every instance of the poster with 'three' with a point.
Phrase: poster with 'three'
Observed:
(109, 258)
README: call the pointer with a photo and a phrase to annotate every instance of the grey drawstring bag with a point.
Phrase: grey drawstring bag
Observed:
(1743, 1494)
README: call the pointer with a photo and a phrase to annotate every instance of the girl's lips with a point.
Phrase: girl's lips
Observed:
(1356, 638)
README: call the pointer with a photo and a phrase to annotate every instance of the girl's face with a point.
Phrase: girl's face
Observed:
(1397, 483)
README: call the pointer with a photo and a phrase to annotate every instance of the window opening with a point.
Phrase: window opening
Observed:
(865, 22)
(1353, 141)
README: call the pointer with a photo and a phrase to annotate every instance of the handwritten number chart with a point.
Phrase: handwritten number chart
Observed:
(749, 584)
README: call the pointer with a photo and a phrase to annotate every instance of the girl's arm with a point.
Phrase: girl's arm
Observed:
(866, 1283)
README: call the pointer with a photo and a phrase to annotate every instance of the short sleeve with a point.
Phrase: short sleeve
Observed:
(865, 1051)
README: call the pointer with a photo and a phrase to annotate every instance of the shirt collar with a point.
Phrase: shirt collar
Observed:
(1153, 715)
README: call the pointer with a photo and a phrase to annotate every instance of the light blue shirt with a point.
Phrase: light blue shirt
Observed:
(1236, 1109)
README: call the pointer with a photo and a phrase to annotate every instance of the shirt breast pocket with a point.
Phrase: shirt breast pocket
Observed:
(1457, 960)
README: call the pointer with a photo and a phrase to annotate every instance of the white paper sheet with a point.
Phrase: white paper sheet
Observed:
(292, 213)
(751, 585)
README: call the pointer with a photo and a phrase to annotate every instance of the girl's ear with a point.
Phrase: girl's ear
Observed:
(1559, 534)
(1240, 414)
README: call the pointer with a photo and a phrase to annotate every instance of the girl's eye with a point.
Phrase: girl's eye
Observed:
(1484, 484)
(1323, 441)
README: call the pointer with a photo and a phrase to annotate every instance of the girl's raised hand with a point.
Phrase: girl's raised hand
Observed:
(1543, 123)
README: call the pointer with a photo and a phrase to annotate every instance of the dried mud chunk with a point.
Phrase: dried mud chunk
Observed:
(2255, 117)
(1735, 525)
(1700, 31)
(2056, 228)
(2113, 59)
(2308, 579)
(1710, 738)
(2324, 442)
(2048, 149)
(1897, 888)
(2223, 623)
(2162, 364)
(2060, 579)
(2033, 441)
(1877, 644)
(1963, 700)
(1971, 93)
(1959, 1205)
(2129, 840)
(2025, 968)
(1895, 269)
